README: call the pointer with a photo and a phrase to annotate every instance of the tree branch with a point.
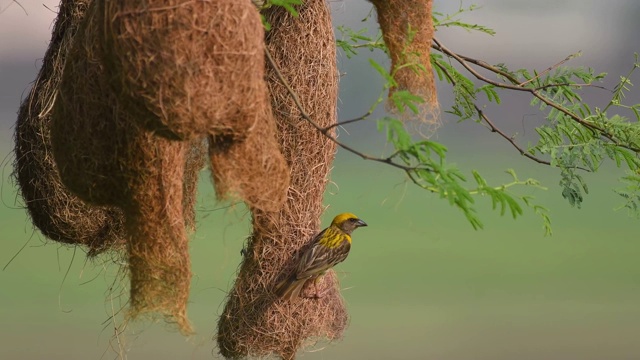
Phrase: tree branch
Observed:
(509, 77)
(574, 84)
(465, 61)
(495, 129)
(345, 122)
(551, 68)
(533, 91)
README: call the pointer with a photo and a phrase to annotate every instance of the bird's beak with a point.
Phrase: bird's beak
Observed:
(360, 223)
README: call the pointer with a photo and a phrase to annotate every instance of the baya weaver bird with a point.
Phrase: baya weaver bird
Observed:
(330, 247)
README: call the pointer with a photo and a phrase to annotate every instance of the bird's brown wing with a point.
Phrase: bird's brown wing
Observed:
(319, 259)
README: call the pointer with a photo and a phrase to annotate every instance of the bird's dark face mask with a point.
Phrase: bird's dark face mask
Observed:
(352, 224)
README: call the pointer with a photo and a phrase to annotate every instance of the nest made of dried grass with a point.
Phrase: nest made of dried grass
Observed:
(198, 69)
(196, 65)
(196, 159)
(159, 261)
(254, 322)
(59, 214)
(107, 157)
(253, 169)
(407, 29)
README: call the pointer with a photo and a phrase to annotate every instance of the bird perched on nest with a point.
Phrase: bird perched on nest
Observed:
(330, 247)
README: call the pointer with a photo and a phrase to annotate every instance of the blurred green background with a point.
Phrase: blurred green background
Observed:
(420, 283)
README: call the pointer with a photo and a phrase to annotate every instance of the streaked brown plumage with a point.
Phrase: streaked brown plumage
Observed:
(330, 247)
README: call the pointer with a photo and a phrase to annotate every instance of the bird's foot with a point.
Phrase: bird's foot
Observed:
(317, 288)
(322, 293)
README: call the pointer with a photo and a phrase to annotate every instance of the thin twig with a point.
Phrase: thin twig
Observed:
(16, 2)
(487, 66)
(345, 122)
(478, 76)
(550, 68)
(494, 128)
(510, 139)
(572, 84)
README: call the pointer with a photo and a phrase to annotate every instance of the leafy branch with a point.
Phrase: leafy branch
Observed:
(550, 93)
(350, 41)
(326, 130)
(450, 20)
(575, 138)
(289, 5)
(424, 161)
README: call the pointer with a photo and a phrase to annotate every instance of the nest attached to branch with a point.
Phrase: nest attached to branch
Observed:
(142, 90)
(254, 169)
(58, 213)
(407, 29)
(254, 322)
(208, 79)
(196, 160)
(107, 157)
(196, 65)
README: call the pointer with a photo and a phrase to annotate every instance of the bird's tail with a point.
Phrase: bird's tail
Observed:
(290, 288)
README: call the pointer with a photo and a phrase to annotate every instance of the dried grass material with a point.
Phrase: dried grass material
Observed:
(196, 161)
(159, 263)
(89, 131)
(254, 170)
(254, 322)
(197, 65)
(59, 214)
(107, 157)
(407, 29)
